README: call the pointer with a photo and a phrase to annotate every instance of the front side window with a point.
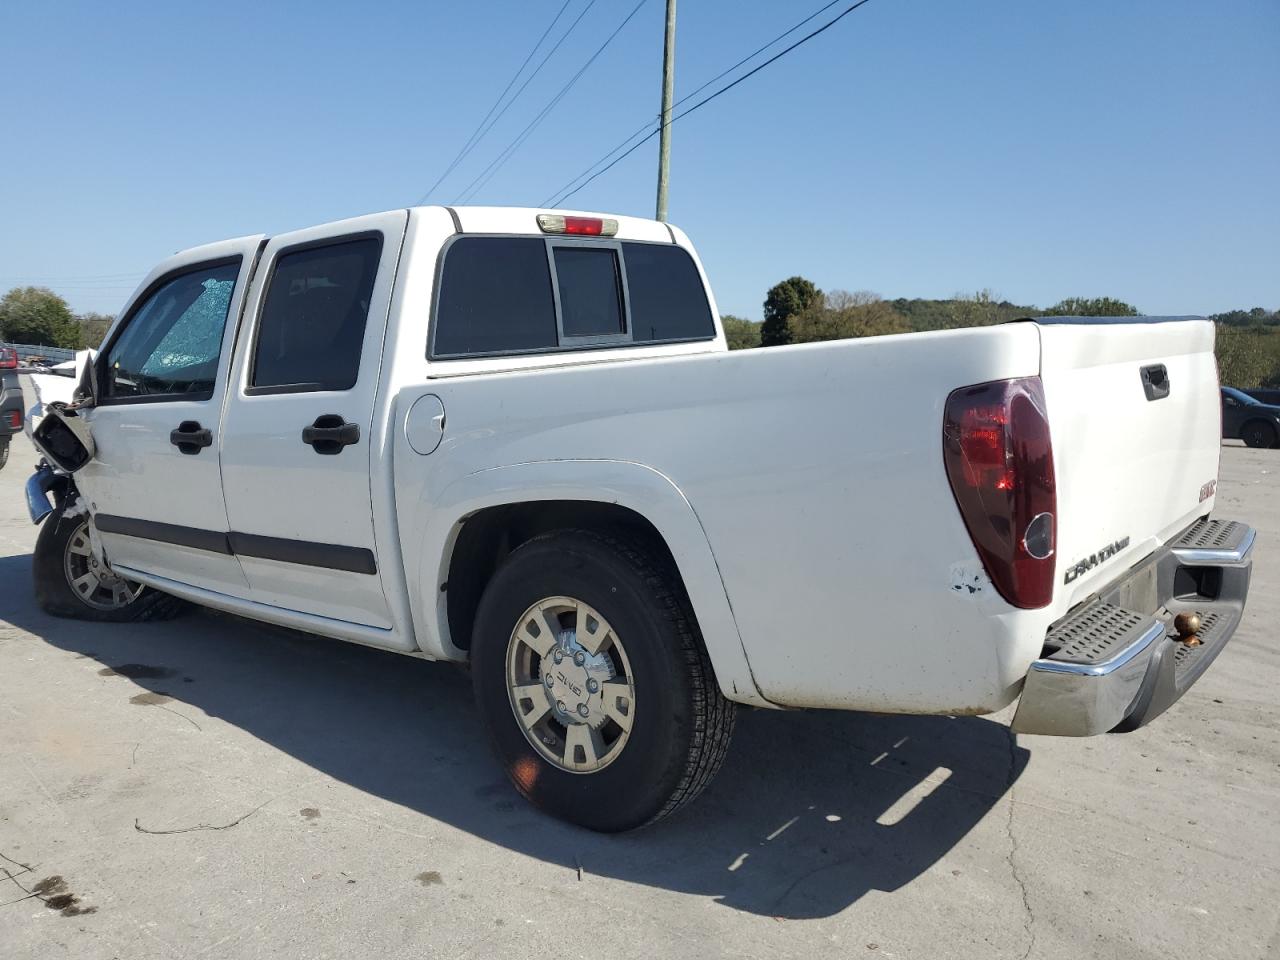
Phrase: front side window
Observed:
(311, 330)
(171, 343)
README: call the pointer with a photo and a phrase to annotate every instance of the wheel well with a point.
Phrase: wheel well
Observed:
(1266, 423)
(487, 537)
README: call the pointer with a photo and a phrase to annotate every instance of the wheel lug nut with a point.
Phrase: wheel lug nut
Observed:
(579, 658)
(582, 710)
(593, 685)
(557, 656)
(550, 681)
(560, 706)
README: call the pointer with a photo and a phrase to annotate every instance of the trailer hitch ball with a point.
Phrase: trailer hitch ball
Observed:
(1188, 625)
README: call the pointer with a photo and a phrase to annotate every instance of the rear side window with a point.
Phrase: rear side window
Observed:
(312, 326)
(504, 295)
(495, 297)
(668, 301)
(169, 346)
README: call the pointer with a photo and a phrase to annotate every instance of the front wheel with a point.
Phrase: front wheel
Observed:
(593, 683)
(71, 582)
(1257, 433)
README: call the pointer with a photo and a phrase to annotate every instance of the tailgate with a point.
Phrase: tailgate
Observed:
(1136, 424)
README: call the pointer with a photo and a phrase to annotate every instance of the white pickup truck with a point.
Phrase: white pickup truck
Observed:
(515, 439)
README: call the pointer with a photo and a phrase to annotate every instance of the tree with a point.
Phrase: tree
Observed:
(784, 301)
(93, 328)
(840, 315)
(1247, 357)
(964, 310)
(37, 315)
(1095, 307)
(1258, 316)
(981, 309)
(740, 334)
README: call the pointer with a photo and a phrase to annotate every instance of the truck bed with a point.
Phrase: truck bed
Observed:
(852, 580)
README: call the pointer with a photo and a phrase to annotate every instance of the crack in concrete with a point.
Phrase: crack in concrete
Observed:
(1029, 918)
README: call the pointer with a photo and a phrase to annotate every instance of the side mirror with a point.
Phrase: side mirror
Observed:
(64, 438)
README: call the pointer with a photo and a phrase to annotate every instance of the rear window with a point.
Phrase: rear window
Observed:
(505, 295)
(588, 281)
(495, 297)
(668, 301)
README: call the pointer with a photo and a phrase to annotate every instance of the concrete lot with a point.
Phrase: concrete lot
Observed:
(213, 787)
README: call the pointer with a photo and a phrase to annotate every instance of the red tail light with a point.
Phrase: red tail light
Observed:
(999, 459)
(14, 418)
(8, 358)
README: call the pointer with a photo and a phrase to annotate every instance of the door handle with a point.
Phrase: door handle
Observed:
(1155, 381)
(330, 433)
(190, 437)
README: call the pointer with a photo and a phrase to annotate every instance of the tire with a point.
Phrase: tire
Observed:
(678, 724)
(4, 451)
(59, 552)
(1258, 433)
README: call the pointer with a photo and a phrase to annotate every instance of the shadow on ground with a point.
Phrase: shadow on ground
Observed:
(811, 811)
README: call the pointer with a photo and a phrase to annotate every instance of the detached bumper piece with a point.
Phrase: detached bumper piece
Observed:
(38, 486)
(1116, 661)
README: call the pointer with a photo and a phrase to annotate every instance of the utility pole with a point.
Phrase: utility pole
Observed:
(668, 91)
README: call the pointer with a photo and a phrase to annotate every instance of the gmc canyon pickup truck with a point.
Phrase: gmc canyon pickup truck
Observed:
(515, 439)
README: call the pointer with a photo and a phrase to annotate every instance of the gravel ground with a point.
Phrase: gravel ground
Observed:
(212, 786)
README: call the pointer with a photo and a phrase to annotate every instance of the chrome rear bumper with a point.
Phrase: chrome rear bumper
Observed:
(1116, 661)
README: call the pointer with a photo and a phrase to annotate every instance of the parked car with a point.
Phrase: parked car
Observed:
(1249, 419)
(516, 439)
(53, 384)
(1265, 394)
(11, 405)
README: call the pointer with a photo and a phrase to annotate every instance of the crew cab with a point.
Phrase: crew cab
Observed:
(515, 439)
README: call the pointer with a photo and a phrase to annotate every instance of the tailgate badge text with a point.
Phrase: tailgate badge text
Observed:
(1091, 561)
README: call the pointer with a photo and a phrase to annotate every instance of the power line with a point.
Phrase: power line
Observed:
(488, 172)
(703, 102)
(479, 133)
(693, 93)
(34, 278)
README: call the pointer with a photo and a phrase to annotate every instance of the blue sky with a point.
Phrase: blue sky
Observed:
(918, 148)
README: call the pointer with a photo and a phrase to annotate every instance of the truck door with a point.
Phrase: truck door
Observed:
(153, 485)
(297, 452)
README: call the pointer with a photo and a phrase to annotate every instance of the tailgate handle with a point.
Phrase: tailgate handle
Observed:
(1155, 381)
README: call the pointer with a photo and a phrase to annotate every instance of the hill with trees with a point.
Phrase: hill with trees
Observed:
(796, 311)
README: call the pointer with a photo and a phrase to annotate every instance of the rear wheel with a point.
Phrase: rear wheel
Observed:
(71, 582)
(1258, 433)
(593, 684)
(4, 451)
